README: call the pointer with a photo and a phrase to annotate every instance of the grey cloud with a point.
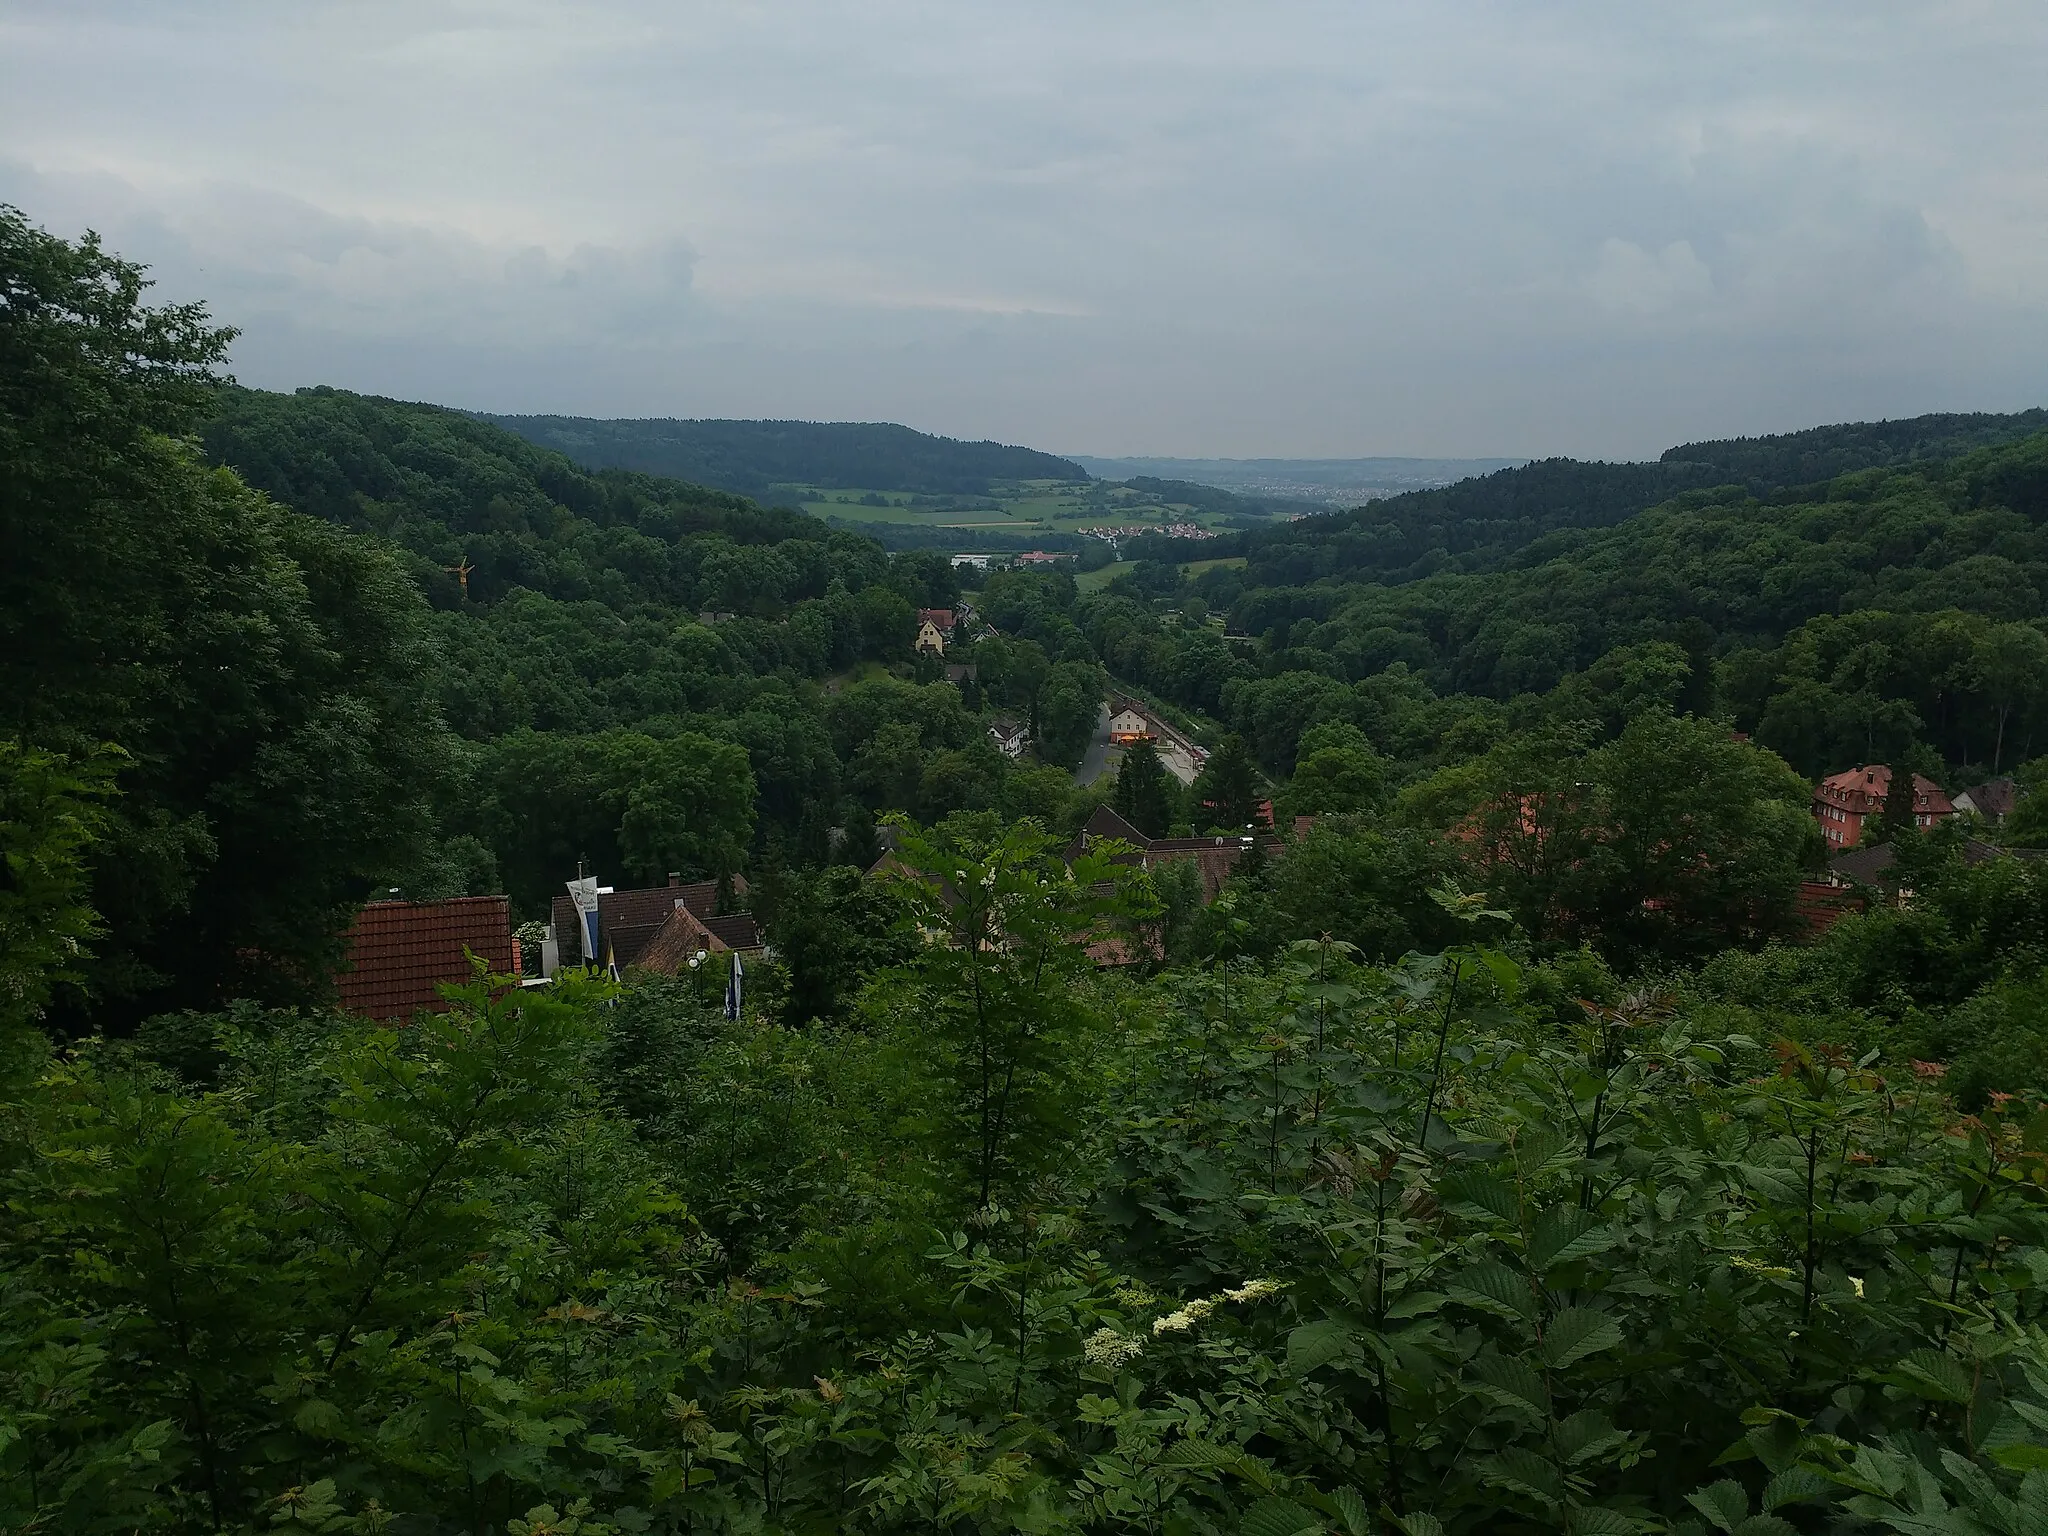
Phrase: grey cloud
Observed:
(1299, 228)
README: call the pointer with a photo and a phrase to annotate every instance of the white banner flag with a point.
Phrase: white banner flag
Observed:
(584, 893)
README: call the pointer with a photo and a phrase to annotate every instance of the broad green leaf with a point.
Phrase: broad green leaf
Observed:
(1930, 1373)
(1200, 1453)
(1724, 1504)
(1515, 1377)
(1493, 1287)
(1415, 1304)
(1775, 1437)
(1315, 1344)
(1523, 1470)
(1981, 1493)
(1577, 1332)
(1566, 1234)
(1421, 1525)
(2021, 1458)
(1586, 1434)
(1279, 1517)
(320, 1418)
(1592, 1520)
(1474, 1193)
(1768, 1525)
(1352, 1509)
(1538, 1146)
(2036, 1133)
(1794, 1484)
(2033, 1501)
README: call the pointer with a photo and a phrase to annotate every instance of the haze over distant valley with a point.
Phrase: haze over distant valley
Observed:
(1340, 482)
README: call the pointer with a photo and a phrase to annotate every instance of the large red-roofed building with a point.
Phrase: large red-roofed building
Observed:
(399, 952)
(1843, 802)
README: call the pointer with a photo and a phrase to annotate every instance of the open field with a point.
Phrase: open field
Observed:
(1095, 581)
(1028, 507)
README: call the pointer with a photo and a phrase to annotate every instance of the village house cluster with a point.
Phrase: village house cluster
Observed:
(401, 953)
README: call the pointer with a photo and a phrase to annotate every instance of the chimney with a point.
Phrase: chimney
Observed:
(675, 877)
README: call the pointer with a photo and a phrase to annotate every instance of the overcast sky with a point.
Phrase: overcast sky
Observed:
(1110, 227)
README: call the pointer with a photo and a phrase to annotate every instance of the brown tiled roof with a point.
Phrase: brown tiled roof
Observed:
(736, 930)
(684, 935)
(628, 920)
(1104, 821)
(1995, 798)
(1863, 866)
(680, 937)
(1215, 857)
(399, 952)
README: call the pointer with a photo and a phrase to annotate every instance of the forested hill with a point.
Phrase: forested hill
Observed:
(1821, 453)
(1478, 524)
(755, 457)
(1885, 613)
(1471, 525)
(448, 488)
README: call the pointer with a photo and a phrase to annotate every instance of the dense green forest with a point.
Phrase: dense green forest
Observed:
(1486, 522)
(1821, 453)
(755, 457)
(1502, 1152)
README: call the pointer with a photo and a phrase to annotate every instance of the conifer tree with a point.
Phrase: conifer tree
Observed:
(1144, 796)
(1897, 816)
(1227, 794)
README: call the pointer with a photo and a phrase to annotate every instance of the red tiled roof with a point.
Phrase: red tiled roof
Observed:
(400, 951)
(1864, 789)
(1820, 906)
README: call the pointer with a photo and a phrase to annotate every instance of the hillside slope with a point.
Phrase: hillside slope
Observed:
(755, 457)
(1479, 524)
(448, 488)
(1821, 453)
(1971, 535)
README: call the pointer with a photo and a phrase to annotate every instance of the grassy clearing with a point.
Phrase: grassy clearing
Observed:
(1095, 581)
(1026, 507)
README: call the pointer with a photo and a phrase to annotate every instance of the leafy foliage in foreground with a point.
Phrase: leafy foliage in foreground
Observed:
(1321, 1247)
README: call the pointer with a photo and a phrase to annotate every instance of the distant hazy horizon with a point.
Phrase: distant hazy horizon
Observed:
(1310, 229)
(1340, 482)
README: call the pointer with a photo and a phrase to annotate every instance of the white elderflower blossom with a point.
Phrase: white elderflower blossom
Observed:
(1254, 1290)
(1107, 1347)
(1189, 1315)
